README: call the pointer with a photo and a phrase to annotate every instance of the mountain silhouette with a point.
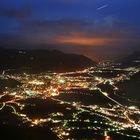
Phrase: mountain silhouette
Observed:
(42, 60)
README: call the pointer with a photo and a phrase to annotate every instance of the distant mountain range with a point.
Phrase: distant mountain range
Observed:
(131, 60)
(42, 60)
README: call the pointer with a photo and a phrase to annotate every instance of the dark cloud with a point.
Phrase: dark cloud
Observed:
(108, 31)
(16, 13)
(104, 29)
(54, 26)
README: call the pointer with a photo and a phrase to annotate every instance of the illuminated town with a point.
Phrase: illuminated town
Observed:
(69, 69)
(75, 103)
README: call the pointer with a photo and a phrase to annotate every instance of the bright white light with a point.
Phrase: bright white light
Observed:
(106, 94)
(61, 81)
(35, 82)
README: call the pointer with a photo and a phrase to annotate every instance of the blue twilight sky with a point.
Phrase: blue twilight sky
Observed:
(95, 28)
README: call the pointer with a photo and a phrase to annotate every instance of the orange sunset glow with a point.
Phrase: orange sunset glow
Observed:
(84, 40)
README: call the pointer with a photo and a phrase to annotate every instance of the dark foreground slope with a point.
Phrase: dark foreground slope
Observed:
(132, 60)
(26, 133)
(42, 60)
(131, 87)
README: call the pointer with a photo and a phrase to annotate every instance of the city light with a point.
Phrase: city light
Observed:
(111, 117)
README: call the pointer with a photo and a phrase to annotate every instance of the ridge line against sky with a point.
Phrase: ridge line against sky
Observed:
(95, 28)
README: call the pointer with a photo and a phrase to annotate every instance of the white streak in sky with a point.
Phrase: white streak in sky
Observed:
(102, 7)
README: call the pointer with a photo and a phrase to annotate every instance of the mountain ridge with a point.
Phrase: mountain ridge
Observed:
(42, 60)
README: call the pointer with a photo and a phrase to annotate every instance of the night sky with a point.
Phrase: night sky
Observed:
(95, 28)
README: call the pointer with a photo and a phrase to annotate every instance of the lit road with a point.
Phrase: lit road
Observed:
(68, 91)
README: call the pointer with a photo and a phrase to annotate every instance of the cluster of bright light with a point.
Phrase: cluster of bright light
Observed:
(53, 91)
(35, 82)
(54, 84)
